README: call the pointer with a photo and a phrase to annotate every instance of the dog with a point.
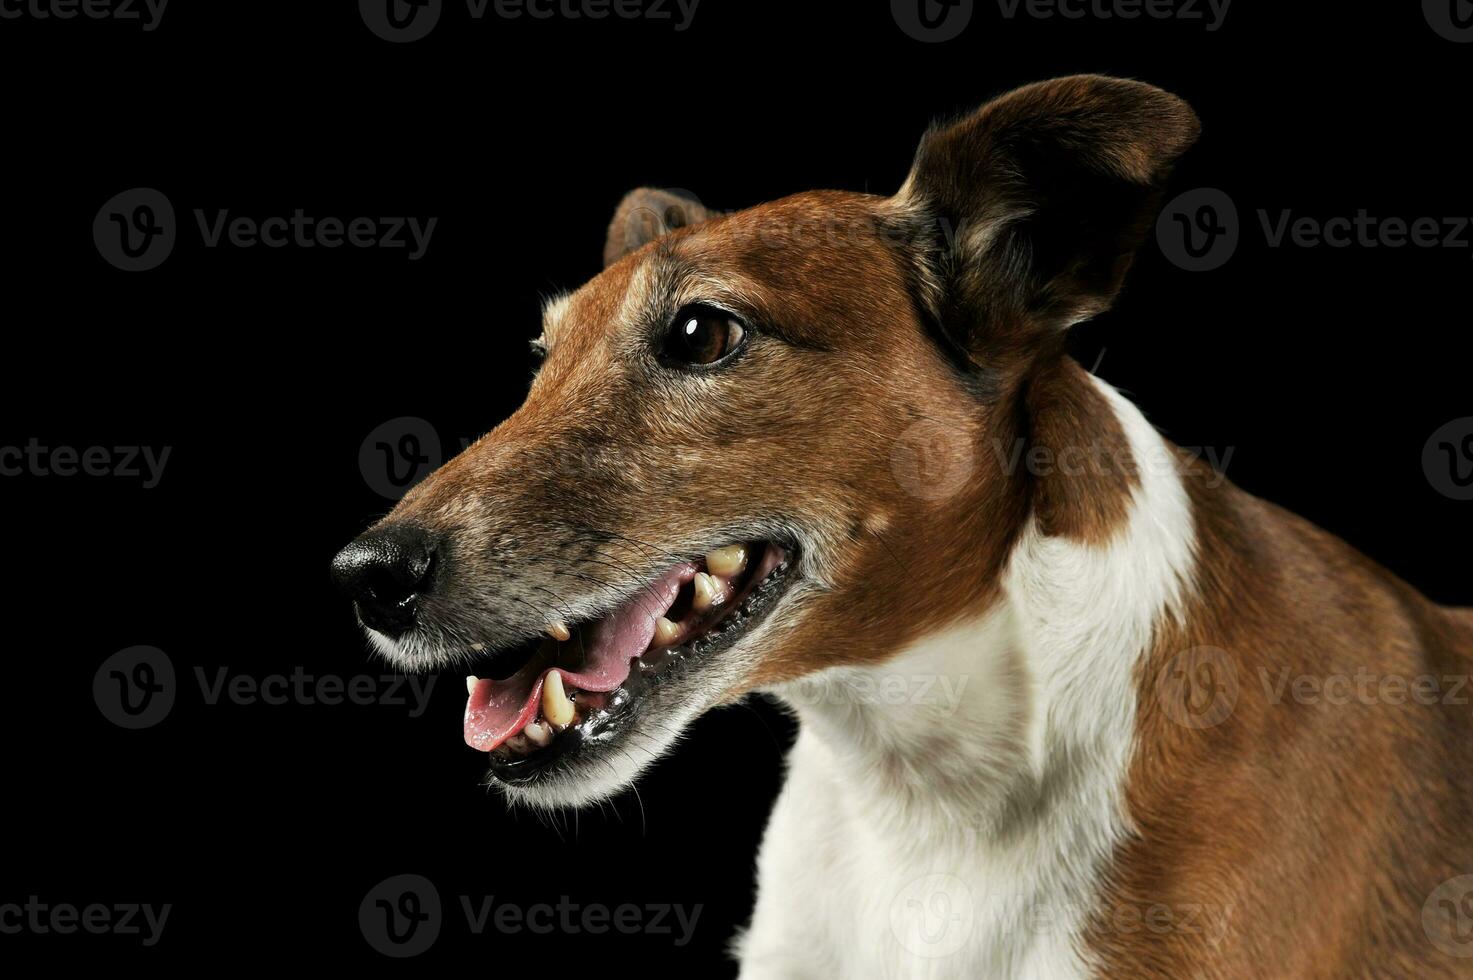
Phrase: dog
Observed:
(1051, 718)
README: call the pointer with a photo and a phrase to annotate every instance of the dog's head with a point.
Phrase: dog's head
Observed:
(757, 446)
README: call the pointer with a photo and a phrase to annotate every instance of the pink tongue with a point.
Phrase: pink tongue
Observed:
(497, 710)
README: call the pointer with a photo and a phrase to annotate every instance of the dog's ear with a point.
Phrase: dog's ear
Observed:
(1041, 198)
(646, 214)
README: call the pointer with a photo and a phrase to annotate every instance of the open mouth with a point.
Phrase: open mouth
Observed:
(531, 705)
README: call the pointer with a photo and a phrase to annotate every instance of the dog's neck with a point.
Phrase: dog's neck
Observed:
(1016, 725)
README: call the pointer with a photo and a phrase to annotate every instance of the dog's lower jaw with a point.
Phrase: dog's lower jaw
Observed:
(602, 773)
(941, 805)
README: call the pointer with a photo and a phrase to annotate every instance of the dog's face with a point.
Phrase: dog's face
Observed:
(723, 476)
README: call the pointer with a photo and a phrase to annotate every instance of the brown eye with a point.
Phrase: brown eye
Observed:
(703, 335)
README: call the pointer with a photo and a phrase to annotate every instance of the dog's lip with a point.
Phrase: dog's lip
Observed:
(599, 659)
(619, 708)
(625, 632)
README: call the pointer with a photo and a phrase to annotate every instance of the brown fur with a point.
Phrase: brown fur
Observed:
(901, 341)
(1313, 832)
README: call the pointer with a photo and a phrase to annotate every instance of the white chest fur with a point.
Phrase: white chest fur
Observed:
(950, 813)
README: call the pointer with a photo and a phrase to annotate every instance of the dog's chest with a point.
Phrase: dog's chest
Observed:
(845, 899)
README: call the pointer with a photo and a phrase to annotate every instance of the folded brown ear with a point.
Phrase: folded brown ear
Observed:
(646, 214)
(1042, 197)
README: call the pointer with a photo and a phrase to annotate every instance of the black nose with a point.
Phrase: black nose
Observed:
(386, 571)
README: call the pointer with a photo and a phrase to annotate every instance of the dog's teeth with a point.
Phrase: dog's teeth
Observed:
(478, 647)
(538, 734)
(665, 632)
(708, 591)
(471, 681)
(519, 744)
(727, 561)
(559, 631)
(556, 707)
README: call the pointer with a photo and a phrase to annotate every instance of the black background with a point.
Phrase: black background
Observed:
(1324, 370)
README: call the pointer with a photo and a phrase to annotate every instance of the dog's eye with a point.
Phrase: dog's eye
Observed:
(703, 335)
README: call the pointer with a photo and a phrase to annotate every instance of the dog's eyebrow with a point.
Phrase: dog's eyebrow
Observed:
(727, 289)
(739, 294)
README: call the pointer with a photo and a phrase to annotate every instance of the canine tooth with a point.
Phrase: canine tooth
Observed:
(556, 707)
(665, 632)
(538, 734)
(559, 631)
(727, 561)
(708, 591)
(471, 681)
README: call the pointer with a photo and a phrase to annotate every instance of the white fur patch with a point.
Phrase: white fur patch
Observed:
(554, 309)
(950, 813)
